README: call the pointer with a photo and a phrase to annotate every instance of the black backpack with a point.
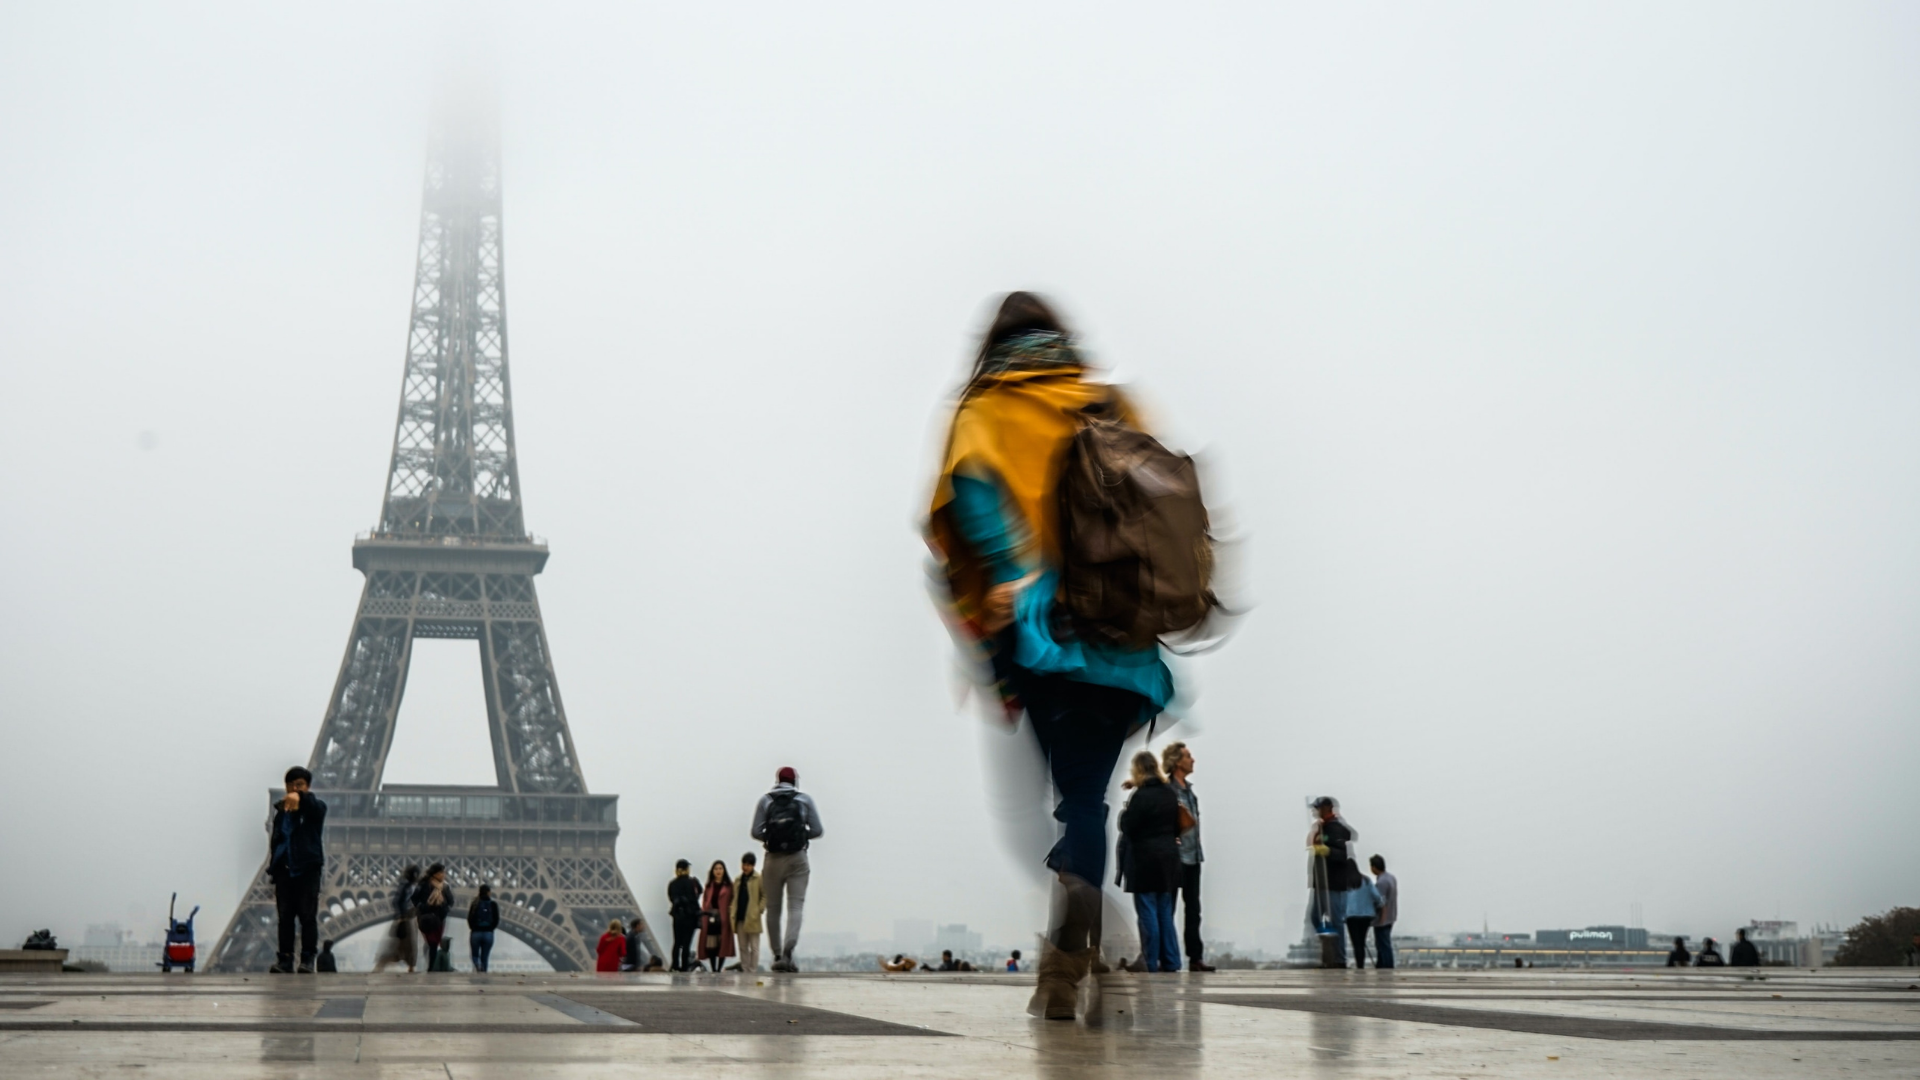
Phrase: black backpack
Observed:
(786, 828)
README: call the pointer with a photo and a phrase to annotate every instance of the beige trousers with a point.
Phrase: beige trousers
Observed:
(749, 951)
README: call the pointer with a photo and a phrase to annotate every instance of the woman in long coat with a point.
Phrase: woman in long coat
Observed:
(1150, 866)
(716, 916)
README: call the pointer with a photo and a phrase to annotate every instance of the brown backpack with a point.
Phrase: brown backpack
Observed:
(1136, 551)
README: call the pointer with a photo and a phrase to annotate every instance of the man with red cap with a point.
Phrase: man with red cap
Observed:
(785, 821)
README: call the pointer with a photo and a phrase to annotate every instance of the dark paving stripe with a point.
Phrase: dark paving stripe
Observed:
(716, 1012)
(1575, 1027)
(338, 1027)
(342, 1008)
(23, 1004)
(586, 1014)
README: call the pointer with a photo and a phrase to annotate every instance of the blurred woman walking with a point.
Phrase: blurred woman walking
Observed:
(1150, 863)
(995, 526)
(434, 901)
(398, 946)
(716, 917)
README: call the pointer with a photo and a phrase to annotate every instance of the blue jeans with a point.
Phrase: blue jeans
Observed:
(1159, 945)
(1383, 946)
(1080, 728)
(481, 942)
(1337, 904)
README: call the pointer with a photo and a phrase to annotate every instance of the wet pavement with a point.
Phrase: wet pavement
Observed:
(1775, 1022)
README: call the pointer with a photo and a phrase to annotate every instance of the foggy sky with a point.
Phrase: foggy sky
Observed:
(1557, 364)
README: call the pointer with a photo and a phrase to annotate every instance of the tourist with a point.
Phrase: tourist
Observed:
(716, 917)
(654, 964)
(947, 962)
(1150, 861)
(398, 945)
(899, 963)
(785, 821)
(683, 904)
(1013, 963)
(994, 525)
(1388, 887)
(325, 963)
(637, 951)
(611, 949)
(1709, 955)
(1679, 957)
(432, 904)
(1743, 953)
(296, 861)
(1363, 906)
(1336, 874)
(483, 918)
(749, 904)
(1176, 760)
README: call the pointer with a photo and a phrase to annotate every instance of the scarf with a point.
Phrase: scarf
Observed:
(1036, 350)
(1011, 427)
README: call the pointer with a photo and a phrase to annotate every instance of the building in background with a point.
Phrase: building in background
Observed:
(117, 949)
(957, 938)
(912, 936)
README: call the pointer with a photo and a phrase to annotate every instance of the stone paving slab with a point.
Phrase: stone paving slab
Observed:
(1748, 1026)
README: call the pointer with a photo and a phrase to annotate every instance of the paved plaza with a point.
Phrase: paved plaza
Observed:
(1776, 1022)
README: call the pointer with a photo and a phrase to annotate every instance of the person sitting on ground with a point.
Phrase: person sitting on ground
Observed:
(636, 946)
(1709, 956)
(654, 964)
(1013, 962)
(947, 962)
(324, 962)
(1679, 957)
(612, 948)
(900, 962)
(1743, 953)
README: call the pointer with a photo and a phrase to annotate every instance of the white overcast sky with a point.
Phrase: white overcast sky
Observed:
(1557, 363)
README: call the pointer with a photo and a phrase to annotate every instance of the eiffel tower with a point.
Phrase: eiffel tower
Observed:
(451, 558)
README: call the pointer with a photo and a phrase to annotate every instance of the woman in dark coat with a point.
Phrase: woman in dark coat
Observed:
(433, 901)
(1150, 861)
(399, 947)
(716, 916)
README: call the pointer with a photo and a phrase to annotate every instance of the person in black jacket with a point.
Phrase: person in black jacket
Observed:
(1150, 861)
(1679, 957)
(483, 918)
(683, 903)
(433, 902)
(1709, 955)
(1331, 841)
(1743, 953)
(296, 860)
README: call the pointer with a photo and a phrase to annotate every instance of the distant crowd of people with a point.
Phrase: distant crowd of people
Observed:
(723, 917)
(1347, 904)
(1743, 954)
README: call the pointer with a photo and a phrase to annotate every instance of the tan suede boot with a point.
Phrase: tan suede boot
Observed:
(1055, 991)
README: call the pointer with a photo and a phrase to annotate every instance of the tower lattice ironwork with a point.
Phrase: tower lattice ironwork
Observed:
(451, 558)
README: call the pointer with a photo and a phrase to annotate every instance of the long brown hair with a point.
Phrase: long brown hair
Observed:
(1020, 312)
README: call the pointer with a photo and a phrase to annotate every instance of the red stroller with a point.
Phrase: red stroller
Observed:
(178, 952)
